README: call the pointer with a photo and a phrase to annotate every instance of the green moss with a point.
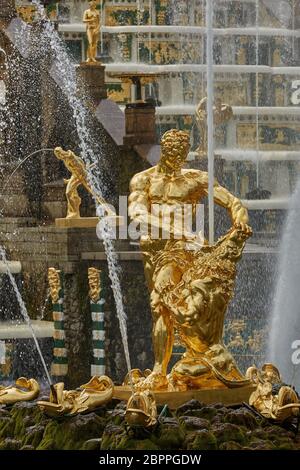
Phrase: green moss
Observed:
(170, 437)
(201, 440)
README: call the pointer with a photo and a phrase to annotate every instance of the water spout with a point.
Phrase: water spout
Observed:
(285, 315)
(24, 312)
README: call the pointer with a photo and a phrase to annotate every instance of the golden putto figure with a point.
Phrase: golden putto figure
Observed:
(77, 168)
(91, 18)
(190, 284)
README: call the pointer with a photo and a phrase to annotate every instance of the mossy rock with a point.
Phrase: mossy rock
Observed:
(7, 426)
(188, 406)
(47, 444)
(92, 444)
(111, 436)
(22, 413)
(34, 435)
(241, 417)
(260, 444)
(10, 444)
(71, 433)
(229, 432)
(192, 423)
(231, 445)
(201, 440)
(206, 412)
(146, 444)
(170, 437)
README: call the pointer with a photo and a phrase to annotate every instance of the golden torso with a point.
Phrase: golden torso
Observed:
(93, 18)
(173, 190)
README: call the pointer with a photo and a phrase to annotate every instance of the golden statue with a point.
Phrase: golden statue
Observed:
(190, 284)
(54, 284)
(79, 177)
(141, 410)
(16, 393)
(91, 18)
(272, 398)
(94, 284)
(97, 392)
(222, 113)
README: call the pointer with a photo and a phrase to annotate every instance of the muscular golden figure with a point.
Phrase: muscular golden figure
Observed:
(77, 168)
(189, 288)
(91, 18)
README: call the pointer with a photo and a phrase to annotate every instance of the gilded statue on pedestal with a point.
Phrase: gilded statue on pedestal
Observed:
(222, 113)
(23, 390)
(78, 171)
(273, 399)
(190, 283)
(91, 18)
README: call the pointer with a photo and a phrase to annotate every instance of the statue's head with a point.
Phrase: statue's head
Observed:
(62, 154)
(175, 146)
(93, 4)
(271, 373)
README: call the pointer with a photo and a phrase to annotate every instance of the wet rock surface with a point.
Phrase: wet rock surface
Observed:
(193, 426)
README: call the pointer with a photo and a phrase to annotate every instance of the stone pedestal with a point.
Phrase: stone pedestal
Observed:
(140, 124)
(91, 82)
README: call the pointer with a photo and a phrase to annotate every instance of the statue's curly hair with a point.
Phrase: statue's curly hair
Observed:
(175, 135)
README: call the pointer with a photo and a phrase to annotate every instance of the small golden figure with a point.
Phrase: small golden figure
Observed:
(97, 392)
(91, 18)
(272, 398)
(190, 284)
(79, 177)
(94, 284)
(222, 113)
(16, 393)
(54, 284)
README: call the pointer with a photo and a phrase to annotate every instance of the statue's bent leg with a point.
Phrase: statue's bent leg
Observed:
(73, 198)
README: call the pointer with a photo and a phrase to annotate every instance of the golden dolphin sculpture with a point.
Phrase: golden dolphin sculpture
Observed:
(272, 399)
(97, 392)
(16, 393)
(141, 410)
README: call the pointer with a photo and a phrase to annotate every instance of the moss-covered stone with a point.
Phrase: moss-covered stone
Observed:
(231, 445)
(229, 432)
(241, 417)
(201, 440)
(170, 437)
(92, 444)
(10, 444)
(191, 423)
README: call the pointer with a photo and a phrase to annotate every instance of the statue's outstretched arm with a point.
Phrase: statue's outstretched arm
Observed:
(238, 213)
